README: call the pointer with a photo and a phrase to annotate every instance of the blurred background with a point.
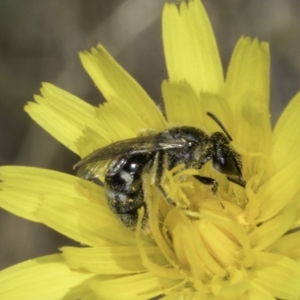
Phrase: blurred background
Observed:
(40, 41)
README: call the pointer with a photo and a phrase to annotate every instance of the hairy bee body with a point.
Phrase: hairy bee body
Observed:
(129, 159)
(124, 188)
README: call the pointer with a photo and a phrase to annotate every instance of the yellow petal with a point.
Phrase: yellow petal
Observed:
(61, 114)
(100, 226)
(219, 107)
(120, 119)
(126, 124)
(108, 259)
(90, 141)
(235, 285)
(105, 260)
(183, 106)
(115, 82)
(136, 287)
(288, 245)
(186, 293)
(286, 135)
(190, 47)
(46, 196)
(258, 292)
(279, 275)
(247, 93)
(281, 189)
(248, 76)
(43, 278)
(85, 215)
(270, 231)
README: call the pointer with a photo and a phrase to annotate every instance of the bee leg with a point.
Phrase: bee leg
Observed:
(159, 165)
(163, 191)
(237, 180)
(208, 181)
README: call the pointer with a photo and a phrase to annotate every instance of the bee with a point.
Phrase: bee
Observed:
(129, 159)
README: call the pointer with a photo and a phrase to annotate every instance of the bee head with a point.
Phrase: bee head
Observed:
(224, 158)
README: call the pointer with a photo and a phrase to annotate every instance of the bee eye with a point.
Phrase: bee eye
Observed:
(224, 162)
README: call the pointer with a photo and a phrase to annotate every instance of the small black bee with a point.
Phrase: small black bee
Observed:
(129, 159)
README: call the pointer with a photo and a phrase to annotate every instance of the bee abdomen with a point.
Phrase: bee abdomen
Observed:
(122, 202)
(124, 188)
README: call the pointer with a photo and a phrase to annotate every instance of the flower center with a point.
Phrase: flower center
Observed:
(201, 233)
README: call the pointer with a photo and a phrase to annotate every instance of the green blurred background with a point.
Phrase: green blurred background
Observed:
(40, 41)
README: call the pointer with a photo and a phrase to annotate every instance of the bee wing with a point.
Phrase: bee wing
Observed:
(90, 165)
(92, 170)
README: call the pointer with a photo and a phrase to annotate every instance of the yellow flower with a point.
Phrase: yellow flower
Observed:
(241, 243)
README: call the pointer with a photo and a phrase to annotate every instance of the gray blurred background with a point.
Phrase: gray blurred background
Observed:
(40, 41)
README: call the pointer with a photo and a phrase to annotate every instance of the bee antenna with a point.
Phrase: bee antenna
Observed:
(220, 124)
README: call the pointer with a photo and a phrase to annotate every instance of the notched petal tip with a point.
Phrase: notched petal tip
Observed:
(190, 47)
(61, 114)
(248, 75)
(115, 83)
